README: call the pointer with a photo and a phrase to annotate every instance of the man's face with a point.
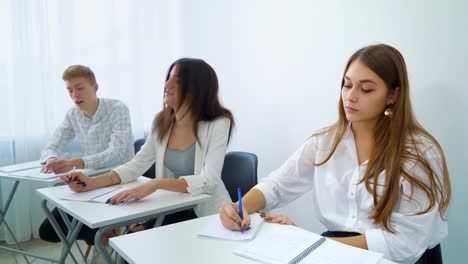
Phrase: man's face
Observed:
(82, 92)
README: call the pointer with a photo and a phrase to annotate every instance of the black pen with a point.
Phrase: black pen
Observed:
(72, 170)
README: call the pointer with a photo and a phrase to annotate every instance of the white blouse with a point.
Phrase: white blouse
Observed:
(209, 159)
(344, 205)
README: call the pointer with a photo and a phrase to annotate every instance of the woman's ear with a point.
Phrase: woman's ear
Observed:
(393, 96)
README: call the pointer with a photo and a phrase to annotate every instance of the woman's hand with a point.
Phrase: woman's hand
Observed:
(229, 214)
(79, 182)
(135, 193)
(276, 218)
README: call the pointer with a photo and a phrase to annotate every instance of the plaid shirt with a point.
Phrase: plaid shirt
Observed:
(106, 138)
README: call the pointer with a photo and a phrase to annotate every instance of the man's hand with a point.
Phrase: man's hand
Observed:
(56, 165)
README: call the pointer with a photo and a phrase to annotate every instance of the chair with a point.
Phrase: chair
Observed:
(150, 173)
(239, 170)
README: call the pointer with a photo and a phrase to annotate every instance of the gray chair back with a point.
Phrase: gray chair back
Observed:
(151, 172)
(239, 170)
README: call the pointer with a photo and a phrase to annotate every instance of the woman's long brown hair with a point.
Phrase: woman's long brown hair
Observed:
(199, 84)
(392, 148)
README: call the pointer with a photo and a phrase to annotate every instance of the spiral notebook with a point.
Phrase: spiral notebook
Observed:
(294, 245)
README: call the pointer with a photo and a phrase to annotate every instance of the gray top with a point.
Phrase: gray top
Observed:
(179, 162)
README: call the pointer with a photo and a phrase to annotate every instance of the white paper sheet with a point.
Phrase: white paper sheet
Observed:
(98, 195)
(21, 166)
(36, 173)
(215, 229)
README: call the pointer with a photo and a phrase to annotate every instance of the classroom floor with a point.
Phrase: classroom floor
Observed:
(42, 248)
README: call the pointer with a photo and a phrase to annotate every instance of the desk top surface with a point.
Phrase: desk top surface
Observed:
(4, 175)
(96, 215)
(5, 172)
(178, 243)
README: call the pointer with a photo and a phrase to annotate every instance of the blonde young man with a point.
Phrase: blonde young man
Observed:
(104, 131)
(102, 126)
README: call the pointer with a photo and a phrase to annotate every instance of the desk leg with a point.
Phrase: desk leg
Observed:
(98, 244)
(70, 226)
(8, 202)
(159, 221)
(2, 220)
(74, 229)
(3, 216)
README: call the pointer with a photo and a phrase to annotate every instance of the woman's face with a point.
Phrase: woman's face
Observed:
(364, 94)
(172, 89)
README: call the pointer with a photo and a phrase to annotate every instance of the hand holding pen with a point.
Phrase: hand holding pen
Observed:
(77, 181)
(69, 177)
(230, 216)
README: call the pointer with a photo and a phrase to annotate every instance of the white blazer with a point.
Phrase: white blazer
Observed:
(209, 159)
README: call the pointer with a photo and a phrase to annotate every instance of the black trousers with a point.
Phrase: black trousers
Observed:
(47, 232)
(431, 256)
(173, 218)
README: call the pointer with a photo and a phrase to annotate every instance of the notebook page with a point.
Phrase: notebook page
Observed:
(90, 196)
(278, 247)
(327, 254)
(36, 173)
(21, 166)
(215, 229)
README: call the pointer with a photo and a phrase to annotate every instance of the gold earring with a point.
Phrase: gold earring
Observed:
(389, 112)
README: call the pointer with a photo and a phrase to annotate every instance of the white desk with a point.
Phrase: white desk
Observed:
(178, 243)
(18, 180)
(107, 217)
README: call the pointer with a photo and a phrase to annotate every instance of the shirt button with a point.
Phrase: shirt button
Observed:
(352, 193)
(353, 216)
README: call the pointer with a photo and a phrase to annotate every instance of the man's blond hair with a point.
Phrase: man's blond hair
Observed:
(75, 71)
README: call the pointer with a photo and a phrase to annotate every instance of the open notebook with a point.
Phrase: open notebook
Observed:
(97, 196)
(294, 245)
(215, 229)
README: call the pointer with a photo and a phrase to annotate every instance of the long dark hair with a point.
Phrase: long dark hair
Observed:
(392, 148)
(198, 83)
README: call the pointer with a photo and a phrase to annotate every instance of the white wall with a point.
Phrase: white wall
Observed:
(280, 64)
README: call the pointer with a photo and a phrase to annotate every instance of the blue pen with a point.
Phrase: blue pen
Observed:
(72, 170)
(241, 214)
